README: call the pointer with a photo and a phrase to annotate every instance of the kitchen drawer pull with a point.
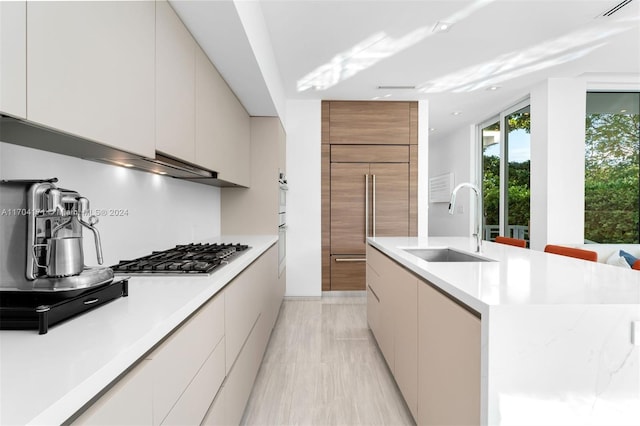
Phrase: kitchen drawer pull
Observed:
(351, 259)
(374, 293)
(90, 301)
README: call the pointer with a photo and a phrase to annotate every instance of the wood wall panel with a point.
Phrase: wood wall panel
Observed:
(390, 130)
(348, 275)
(369, 153)
(413, 123)
(326, 128)
(390, 203)
(326, 217)
(369, 122)
(413, 191)
(348, 185)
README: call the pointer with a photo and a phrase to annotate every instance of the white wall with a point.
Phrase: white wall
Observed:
(453, 153)
(557, 162)
(161, 211)
(423, 168)
(304, 240)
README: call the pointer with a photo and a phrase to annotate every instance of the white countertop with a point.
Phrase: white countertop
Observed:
(517, 277)
(556, 343)
(45, 379)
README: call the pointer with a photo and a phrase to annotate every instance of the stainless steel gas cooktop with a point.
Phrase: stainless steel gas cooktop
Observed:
(182, 259)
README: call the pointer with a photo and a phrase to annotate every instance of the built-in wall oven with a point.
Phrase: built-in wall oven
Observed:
(282, 223)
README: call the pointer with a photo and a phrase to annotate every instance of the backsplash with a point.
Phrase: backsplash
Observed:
(139, 212)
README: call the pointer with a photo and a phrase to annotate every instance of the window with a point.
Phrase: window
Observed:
(506, 171)
(612, 176)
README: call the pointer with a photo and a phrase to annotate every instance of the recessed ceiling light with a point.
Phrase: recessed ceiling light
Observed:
(493, 88)
(128, 165)
(441, 27)
(162, 173)
(456, 113)
(432, 129)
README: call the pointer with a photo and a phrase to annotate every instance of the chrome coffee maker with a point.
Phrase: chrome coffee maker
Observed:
(50, 222)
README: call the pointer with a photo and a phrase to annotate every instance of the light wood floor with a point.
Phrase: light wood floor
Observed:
(323, 367)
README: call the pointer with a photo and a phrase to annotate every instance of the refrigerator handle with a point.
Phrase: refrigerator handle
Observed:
(374, 205)
(366, 207)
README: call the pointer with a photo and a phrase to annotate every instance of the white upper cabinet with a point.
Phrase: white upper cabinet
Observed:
(13, 59)
(90, 71)
(223, 127)
(175, 85)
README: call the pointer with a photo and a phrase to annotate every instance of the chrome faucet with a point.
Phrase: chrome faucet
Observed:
(452, 205)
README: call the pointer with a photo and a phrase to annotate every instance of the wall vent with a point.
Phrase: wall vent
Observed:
(614, 9)
(396, 87)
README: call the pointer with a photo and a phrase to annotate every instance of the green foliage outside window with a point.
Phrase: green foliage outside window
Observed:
(519, 190)
(611, 178)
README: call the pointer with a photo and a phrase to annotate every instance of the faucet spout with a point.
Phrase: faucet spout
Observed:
(452, 205)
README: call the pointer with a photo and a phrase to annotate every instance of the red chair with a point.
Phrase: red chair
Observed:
(512, 241)
(572, 252)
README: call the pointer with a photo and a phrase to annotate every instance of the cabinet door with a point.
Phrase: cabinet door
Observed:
(207, 82)
(390, 199)
(348, 207)
(13, 60)
(369, 122)
(91, 71)
(404, 290)
(223, 127)
(449, 361)
(175, 85)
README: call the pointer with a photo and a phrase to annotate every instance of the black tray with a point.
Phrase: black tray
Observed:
(27, 310)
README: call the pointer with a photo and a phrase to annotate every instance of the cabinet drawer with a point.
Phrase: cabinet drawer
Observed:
(195, 401)
(244, 299)
(346, 273)
(180, 357)
(128, 402)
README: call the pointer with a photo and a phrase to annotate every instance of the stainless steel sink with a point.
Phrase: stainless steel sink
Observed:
(445, 255)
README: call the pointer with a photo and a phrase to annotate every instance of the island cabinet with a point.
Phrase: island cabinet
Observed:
(175, 105)
(430, 342)
(393, 311)
(449, 360)
(204, 371)
(90, 71)
(13, 64)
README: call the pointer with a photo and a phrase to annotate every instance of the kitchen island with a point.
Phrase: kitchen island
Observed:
(52, 378)
(555, 334)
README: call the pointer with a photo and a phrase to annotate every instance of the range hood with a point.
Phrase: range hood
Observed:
(25, 133)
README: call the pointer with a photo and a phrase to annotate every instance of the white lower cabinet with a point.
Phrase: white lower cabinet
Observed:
(181, 357)
(128, 402)
(196, 399)
(204, 371)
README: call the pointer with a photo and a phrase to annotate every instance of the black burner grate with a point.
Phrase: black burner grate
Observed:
(188, 258)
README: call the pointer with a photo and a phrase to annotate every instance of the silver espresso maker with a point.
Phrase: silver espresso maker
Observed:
(50, 222)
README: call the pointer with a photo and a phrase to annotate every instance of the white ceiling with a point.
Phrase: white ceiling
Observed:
(352, 47)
